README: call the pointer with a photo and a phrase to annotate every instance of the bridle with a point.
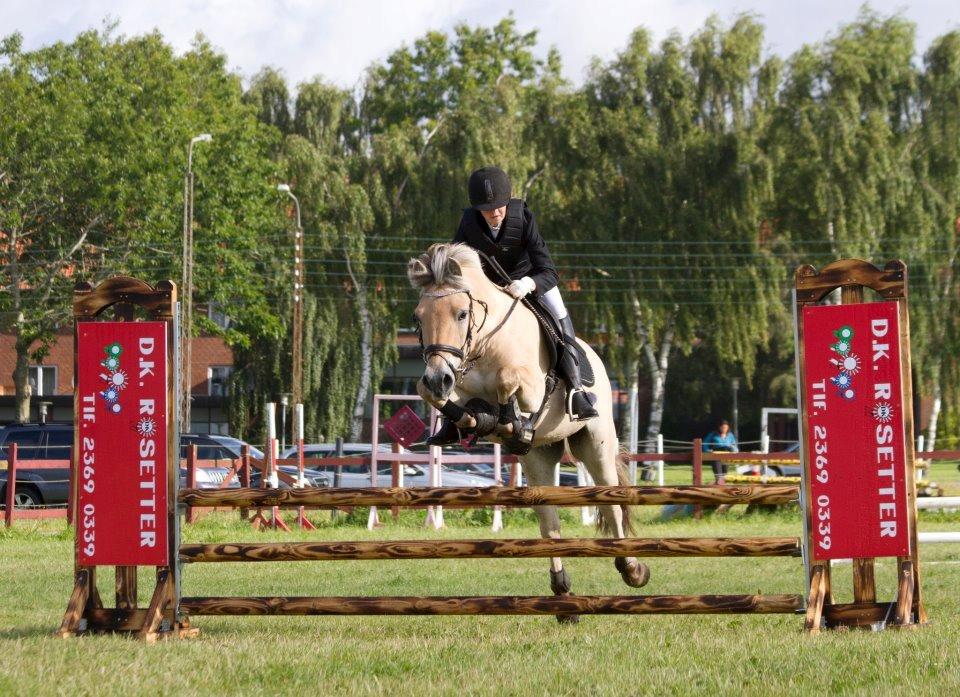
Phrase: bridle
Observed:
(466, 364)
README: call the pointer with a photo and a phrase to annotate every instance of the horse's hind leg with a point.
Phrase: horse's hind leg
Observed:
(599, 453)
(539, 465)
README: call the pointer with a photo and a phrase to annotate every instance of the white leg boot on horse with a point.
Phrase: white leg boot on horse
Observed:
(539, 466)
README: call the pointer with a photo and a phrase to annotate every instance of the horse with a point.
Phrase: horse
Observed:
(482, 344)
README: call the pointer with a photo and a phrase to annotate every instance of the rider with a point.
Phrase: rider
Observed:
(505, 230)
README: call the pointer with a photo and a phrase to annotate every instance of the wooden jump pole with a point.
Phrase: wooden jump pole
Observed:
(497, 605)
(492, 496)
(492, 549)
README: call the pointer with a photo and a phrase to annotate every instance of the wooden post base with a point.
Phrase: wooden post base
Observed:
(902, 613)
(86, 615)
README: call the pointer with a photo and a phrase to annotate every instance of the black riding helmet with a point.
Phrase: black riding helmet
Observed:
(489, 188)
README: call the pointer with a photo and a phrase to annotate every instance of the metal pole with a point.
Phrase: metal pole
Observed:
(186, 326)
(184, 340)
(497, 510)
(270, 476)
(299, 280)
(373, 519)
(283, 423)
(659, 462)
(298, 290)
(298, 420)
(337, 473)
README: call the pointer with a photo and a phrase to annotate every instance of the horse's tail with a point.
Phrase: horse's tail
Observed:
(607, 527)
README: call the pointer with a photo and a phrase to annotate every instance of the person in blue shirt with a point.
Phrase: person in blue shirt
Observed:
(721, 440)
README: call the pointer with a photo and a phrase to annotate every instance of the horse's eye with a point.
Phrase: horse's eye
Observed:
(462, 315)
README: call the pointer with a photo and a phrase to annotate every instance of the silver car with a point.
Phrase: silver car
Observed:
(357, 476)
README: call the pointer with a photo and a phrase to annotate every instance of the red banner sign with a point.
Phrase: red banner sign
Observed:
(121, 465)
(855, 450)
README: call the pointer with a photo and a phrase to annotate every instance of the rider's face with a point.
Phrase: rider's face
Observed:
(495, 217)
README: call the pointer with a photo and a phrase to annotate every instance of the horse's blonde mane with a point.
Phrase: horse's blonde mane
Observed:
(442, 265)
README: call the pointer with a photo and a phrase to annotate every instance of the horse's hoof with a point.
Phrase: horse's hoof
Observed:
(568, 619)
(634, 575)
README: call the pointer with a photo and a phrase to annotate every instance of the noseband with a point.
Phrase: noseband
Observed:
(440, 349)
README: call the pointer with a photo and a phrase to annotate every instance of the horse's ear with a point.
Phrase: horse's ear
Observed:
(418, 273)
(453, 269)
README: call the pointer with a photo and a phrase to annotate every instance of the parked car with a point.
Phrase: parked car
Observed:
(37, 487)
(215, 447)
(486, 469)
(226, 449)
(53, 441)
(354, 476)
(311, 476)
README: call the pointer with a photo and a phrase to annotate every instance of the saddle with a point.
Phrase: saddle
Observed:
(550, 328)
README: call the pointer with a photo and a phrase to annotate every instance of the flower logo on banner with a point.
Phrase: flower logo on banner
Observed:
(115, 378)
(848, 363)
(882, 412)
(147, 427)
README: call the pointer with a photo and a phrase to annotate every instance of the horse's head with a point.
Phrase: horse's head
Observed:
(447, 314)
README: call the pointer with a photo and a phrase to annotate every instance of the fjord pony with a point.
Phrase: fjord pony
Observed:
(480, 343)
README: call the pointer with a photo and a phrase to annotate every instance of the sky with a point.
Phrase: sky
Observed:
(339, 39)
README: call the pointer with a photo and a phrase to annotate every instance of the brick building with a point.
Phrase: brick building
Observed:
(51, 382)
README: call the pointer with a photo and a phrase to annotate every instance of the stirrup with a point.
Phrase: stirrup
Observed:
(585, 414)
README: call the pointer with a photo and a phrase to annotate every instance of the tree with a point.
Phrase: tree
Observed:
(92, 156)
(348, 331)
(679, 184)
(935, 311)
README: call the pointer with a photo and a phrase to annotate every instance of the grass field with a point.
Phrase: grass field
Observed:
(746, 655)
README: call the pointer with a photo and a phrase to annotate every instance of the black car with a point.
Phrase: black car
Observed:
(36, 487)
(53, 441)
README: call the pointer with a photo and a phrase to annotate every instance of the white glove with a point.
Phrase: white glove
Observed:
(521, 287)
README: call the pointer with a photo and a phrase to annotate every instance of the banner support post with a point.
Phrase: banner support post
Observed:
(129, 364)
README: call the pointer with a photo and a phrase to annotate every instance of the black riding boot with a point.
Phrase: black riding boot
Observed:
(579, 402)
(447, 434)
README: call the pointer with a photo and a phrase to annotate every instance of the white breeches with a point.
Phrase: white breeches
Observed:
(554, 303)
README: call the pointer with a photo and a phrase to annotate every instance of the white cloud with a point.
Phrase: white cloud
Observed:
(340, 39)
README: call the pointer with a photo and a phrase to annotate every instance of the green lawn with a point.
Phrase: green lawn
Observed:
(703, 655)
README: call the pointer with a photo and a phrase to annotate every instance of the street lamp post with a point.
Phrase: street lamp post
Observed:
(298, 286)
(186, 319)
